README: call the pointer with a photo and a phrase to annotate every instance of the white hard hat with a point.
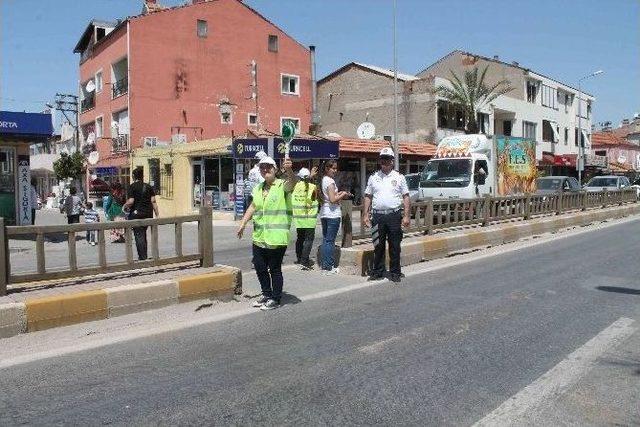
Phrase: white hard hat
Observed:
(386, 152)
(304, 173)
(266, 160)
(260, 154)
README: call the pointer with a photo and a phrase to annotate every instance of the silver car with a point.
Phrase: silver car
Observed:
(609, 183)
(557, 184)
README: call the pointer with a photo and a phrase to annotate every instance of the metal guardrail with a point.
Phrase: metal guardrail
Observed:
(431, 215)
(204, 254)
(120, 87)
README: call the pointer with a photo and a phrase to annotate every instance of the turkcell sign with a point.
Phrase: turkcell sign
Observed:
(299, 148)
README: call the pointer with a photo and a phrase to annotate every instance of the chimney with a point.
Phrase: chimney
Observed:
(496, 57)
(314, 89)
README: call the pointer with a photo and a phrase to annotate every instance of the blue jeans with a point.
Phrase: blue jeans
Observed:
(330, 228)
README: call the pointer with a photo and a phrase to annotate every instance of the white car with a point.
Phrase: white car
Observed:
(608, 182)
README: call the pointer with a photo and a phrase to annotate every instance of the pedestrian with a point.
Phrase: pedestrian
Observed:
(34, 200)
(72, 206)
(113, 204)
(91, 216)
(141, 204)
(387, 194)
(253, 178)
(330, 215)
(305, 212)
(271, 212)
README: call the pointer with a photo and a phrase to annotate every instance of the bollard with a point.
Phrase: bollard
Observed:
(205, 236)
(346, 206)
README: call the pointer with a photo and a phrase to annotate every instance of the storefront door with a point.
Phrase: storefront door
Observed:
(8, 185)
(197, 182)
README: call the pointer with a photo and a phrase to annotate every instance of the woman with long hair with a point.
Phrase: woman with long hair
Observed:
(330, 215)
(113, 210)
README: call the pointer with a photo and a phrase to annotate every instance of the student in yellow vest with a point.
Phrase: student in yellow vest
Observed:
(305, 212)
(272, 215)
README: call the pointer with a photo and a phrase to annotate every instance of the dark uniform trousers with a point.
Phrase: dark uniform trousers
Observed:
(386, 227)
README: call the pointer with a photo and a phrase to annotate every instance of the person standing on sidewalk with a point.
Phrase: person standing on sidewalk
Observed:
(388, 196)
(305, 213)
(113, 210)
(141, 204)
(330, 215)
(272, 215)
(91, 216)
(72, 206)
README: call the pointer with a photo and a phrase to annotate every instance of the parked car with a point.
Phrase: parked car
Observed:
(557, 184)
(608, 182)
(413, 182)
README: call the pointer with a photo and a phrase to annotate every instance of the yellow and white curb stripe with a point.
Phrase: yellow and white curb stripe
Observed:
(358, 260)
(36, 314)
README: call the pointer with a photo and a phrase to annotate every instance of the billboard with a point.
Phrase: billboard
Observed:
(274, 147)
(516, 165)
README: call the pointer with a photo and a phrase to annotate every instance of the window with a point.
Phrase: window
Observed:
(295, 122)
(566, 136)
(388, 138)
(529, 130)
(226, 118)
(582, 137)
(588, 110)
(290, 84)
(252, 119)
(202, 28)
(532, 91)
(549, 131)
(451, 116)
(154, 174)
(507, 127)
(483, 123)
(583, 108)
(272, 43)
(568, 100)
(99, 82)
(166, 181)
(99, 129)
(549, 97)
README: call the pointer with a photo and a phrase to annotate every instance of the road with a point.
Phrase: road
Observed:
(553, 325)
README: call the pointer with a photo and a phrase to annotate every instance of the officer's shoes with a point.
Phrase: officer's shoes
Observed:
(271, 304)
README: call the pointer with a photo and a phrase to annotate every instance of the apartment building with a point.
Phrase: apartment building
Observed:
(207, 69)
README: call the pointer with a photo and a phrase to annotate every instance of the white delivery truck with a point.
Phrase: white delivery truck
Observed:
(469, 166)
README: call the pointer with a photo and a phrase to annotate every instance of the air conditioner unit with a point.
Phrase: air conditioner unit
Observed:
(150, 141)
(179, 138)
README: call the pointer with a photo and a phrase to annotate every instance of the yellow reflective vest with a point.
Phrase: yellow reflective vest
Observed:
(272, 217)
(305, 205)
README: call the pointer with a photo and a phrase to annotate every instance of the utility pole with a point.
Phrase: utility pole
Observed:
(395, 92)
(66, 103)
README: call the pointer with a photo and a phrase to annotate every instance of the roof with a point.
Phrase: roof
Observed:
(498, 61)
(610, 138)
(367, 146)
(371, 68)
(88, 32)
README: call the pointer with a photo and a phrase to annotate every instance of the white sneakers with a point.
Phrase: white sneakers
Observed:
(334, 270)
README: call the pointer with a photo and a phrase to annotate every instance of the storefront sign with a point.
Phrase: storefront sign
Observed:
(31, 124)
(597, 161)
(24, 191)
(299, 148)
(110, 171)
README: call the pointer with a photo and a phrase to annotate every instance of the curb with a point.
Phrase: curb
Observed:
(36, 314)
(357, 261)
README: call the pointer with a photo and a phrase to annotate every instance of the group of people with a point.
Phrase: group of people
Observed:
(276, 203)
(137, 203)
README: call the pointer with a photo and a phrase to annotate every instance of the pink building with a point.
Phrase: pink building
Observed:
(184, 74)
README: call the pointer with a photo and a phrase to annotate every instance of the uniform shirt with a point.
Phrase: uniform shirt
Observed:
(387, 190)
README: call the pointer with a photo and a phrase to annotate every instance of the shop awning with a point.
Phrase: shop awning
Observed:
(569, 160)
(547, 159)
(350, 147)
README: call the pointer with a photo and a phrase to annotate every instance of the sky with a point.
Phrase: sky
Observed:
(564, 40)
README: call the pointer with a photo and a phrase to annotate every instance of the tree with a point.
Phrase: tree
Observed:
(69, 166)
(472, 93)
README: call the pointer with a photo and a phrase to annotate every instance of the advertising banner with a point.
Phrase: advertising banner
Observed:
(275, 147)
(516, 161)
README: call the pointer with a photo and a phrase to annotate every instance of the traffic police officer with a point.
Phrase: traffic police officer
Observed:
(387, 195)
(305, 212)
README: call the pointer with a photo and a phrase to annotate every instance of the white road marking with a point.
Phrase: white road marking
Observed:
(557, 380)
(159, 328)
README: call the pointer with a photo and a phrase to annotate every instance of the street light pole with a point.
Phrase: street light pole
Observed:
(581, 161)
(396, 151)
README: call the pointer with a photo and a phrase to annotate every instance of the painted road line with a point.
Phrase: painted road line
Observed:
(557, 380)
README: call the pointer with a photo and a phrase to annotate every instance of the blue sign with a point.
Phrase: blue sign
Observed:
(298, 149)
(26, 124)
(108, 171)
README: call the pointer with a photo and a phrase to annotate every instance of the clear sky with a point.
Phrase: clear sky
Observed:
(563, 39)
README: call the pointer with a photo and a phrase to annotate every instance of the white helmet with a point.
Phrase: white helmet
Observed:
(266, 160)
(386, 152)
(304, 173)
(260, 154)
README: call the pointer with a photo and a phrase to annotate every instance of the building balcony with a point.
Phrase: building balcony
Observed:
(120, 87)
(87, 103)
(120, 144)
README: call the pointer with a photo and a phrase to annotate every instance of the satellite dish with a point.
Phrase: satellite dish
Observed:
(333, 135)
(90, 87)
(366, 130)
(91, 138)
(93, 157)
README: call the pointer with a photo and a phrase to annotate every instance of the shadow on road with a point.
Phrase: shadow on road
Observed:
(619, 290)
(290, 299)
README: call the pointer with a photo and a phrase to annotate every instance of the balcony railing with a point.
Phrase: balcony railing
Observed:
(120, 87)
(120, 143)
(88, 103)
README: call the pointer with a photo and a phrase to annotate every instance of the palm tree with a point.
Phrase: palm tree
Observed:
(471, 93)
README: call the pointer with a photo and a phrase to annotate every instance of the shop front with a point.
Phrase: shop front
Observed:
(187, 176)
(17, 132)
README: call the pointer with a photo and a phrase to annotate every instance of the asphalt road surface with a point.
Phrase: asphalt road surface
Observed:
(446, 347)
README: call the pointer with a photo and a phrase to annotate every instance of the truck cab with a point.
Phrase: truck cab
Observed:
(461, 169)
